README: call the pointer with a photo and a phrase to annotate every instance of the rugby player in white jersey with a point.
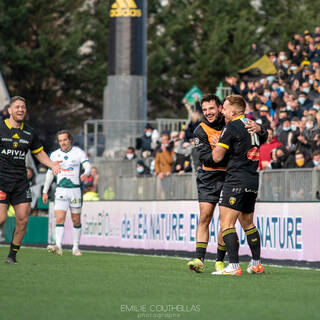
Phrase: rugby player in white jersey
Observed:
(68, 192)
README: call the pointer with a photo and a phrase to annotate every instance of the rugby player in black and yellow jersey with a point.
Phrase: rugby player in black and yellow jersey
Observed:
(240, 189)
(210, 177)
(16, 139)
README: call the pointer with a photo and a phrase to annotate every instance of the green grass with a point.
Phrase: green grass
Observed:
(111, 286)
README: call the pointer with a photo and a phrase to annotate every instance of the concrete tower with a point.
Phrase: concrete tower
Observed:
(125, 95)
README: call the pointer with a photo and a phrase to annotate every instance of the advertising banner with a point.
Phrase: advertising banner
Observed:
(289, 231)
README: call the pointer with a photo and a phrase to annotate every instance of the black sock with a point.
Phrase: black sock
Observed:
(201, 249)
(231, 240)
(14, 248)
(253, 238)
(221, 252)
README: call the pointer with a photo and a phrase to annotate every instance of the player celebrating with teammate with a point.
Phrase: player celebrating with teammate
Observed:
(16, 139)
(68, 192)
(210, 177)
(240, 189)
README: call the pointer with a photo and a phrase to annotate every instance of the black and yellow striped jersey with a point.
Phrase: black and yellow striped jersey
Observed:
(243, 153)
(14, 146)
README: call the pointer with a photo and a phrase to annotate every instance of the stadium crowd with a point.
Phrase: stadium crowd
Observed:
(288, 104)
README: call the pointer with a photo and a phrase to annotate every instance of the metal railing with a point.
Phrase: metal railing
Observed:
(118, 181)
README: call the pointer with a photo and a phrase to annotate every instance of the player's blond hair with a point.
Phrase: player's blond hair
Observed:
(237, 101)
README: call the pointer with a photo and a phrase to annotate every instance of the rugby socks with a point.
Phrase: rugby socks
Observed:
(231, 240)
(221, 252)
(14, 248)
(59, 235)
(201, 249)
(253, 238)
(76, 237)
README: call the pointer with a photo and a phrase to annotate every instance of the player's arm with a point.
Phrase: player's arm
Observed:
(219, 152)
(47, 183)
(223, 145)
(45, 160)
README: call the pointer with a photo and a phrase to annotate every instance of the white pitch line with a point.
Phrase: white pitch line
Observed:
(161, 256)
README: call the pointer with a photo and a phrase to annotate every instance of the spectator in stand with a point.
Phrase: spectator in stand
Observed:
(195, 118)
(251, 111)
(264, 119)
(265, 150)
(90, 194)
(282, 158)
(164, 157)
(182, 136)
(299, 161)
(131, 154)
(316, 159)
(144, 143)
(142, 169)
(285, 134)
(195, 157)
(304, 102)
(182, 159)
(310, 131)
(93, 179)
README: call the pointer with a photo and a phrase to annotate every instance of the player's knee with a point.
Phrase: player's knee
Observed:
(22, 220)
(204, 220)
(76, 221)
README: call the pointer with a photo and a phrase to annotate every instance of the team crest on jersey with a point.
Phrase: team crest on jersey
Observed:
(65, 158)
(196, 141)
(232, 200)
(253, 154)
(15, 144)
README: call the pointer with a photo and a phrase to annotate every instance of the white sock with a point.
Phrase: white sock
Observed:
(76, 237)
(255, 262)
(59, 235)
(235, 265)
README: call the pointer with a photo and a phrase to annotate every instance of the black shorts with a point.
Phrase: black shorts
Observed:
(15, 192)
(240, 199)
(209, 184)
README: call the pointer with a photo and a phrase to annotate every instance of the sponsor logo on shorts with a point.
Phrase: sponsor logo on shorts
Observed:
(6, 139)
(232, 200)
(28, 194)
(3, 195)
(250, 190)
(15, 144)
(23, 141)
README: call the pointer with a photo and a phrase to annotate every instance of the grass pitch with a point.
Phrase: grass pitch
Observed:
(119, 286)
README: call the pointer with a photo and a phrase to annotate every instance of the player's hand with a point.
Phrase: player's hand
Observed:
(45, 198)
(252, 127)
(56, 167)
(84, 178)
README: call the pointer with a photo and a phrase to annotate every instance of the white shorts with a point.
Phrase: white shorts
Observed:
(68, 198)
